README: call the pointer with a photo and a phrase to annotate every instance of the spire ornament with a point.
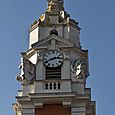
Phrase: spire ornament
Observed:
(55, 5)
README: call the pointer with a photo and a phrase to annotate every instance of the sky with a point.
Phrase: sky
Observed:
(97, 22)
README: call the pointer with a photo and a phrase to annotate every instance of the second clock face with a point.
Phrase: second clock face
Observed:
(53, 58)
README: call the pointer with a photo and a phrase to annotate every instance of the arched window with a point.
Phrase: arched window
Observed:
(54, 31)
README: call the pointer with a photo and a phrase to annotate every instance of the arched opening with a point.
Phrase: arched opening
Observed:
(54, 31)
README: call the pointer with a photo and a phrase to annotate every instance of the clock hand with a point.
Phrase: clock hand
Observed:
(50, 59)
(53, 59)
(59, 58)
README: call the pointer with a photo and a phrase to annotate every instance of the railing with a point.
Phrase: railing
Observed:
(52, 85)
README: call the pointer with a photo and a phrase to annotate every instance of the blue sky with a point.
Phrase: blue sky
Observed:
(97, 21)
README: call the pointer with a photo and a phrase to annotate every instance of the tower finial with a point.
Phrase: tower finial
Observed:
(54, 1)
(55, 4)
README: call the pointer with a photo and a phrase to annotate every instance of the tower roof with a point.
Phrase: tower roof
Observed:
(54, 14)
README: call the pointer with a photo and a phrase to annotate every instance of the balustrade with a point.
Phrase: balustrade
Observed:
(52, 85)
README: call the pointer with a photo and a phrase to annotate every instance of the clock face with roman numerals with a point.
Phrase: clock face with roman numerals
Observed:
(53, 58)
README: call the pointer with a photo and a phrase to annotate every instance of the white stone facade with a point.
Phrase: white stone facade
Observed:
(66, 84)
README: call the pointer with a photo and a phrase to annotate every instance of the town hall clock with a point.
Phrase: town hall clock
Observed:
(53, 58)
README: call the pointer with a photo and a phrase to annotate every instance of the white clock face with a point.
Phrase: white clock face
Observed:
(53, 58)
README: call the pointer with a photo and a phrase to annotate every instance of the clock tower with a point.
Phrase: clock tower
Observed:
(54, 69)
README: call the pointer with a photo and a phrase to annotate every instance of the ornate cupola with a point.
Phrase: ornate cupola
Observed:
(54, 70)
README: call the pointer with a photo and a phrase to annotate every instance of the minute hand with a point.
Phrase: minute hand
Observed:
(59, 58)
(54, 58)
